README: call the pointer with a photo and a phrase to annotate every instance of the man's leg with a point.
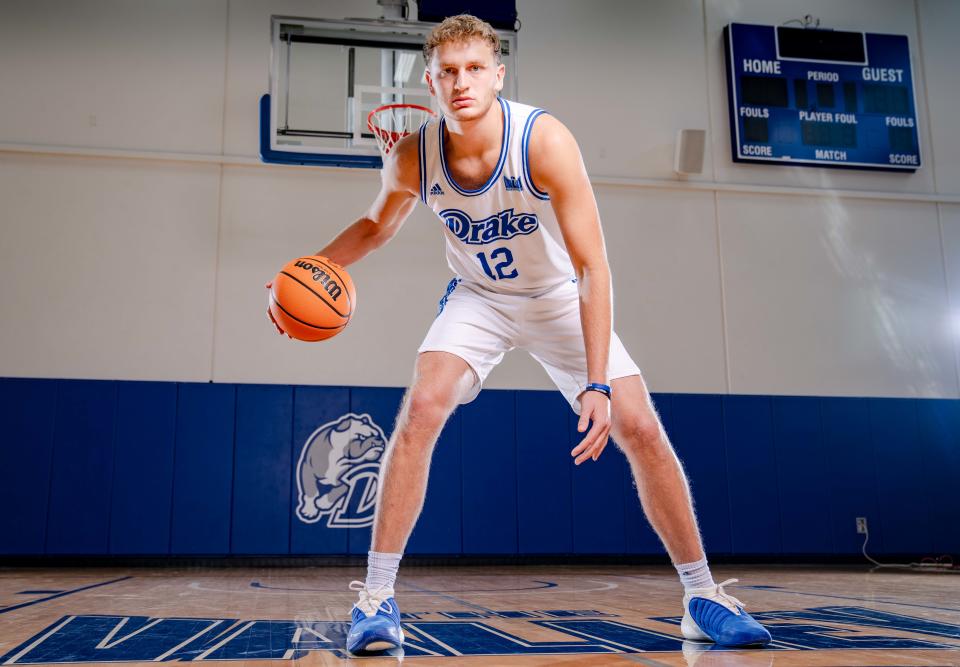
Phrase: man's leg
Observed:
(661, 482)
(709, 612)
(440, 381)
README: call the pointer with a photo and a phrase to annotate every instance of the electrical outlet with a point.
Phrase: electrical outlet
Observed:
(862, 525)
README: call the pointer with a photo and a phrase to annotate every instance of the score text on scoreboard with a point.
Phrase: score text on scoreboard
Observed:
(826, 98)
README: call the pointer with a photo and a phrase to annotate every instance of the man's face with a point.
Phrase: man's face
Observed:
(465, 78)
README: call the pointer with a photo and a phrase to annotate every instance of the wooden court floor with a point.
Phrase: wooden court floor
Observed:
(543, 615)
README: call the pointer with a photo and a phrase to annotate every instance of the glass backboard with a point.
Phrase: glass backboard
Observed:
(326, 76)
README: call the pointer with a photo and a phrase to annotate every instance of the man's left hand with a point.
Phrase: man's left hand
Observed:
(594, 407)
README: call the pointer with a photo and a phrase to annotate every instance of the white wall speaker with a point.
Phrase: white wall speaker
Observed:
(688, 156)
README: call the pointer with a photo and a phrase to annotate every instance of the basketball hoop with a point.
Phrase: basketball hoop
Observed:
(392, 122)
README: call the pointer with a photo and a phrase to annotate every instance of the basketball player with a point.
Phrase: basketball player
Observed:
(523, 237)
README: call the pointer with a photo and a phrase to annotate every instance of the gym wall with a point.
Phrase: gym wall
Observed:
(799, 327)
(148, 260)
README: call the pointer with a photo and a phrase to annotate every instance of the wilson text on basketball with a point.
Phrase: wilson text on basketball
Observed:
(322, 277)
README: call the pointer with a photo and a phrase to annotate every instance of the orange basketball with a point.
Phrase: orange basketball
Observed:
(312, 298)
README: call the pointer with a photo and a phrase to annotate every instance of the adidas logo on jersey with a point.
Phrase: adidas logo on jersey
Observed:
(436, 190)
(512, 183)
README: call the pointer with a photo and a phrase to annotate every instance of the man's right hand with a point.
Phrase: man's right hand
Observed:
(270, 313)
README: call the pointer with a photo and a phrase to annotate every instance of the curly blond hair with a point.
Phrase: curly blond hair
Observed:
(460, 28)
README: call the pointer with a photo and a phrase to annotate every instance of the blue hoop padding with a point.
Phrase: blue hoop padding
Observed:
(271, 156)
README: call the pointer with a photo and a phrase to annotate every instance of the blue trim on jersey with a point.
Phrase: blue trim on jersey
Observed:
(524, 148)
(496, 172)
(423, 162)
(452, 285)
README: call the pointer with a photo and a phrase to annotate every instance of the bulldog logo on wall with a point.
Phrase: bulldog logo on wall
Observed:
(338, 472)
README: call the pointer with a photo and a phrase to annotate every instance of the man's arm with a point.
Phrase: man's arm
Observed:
(400, 187)
(397, 199)
(556, 167)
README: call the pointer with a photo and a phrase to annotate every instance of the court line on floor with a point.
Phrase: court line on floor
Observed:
(603, 586)
(420, 589)
(778, 589)
(450, 597)
(545, 584)
(4, 610)
(37, 640)
(769, 589)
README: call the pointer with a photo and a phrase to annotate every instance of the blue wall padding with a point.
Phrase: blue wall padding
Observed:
(640, 537)
(262, 470)
(157, 468)
(903, 508)
(802, 465)
(78, 521)
(696, 428)
(314, 407)
(440, 527)
(754, 498)
(143, 468)
(203, 469)
(26, 407)
(599, 505)
(489, 470)
(851, 473)
(382, 405)
(939, 437)
(544, 498)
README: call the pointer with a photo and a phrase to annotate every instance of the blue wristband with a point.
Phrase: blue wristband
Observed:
(602, 388)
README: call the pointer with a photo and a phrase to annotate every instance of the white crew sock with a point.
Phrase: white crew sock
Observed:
(695, 575)
(382, 569)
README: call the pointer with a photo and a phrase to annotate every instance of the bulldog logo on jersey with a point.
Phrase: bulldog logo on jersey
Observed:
(504, 225)
(338, 472)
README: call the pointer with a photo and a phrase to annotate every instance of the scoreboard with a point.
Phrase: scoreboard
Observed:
(828, 98)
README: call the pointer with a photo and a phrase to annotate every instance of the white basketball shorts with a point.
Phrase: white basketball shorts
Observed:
(481, 326)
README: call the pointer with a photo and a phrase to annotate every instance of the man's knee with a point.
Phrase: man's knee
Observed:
(419, 423)
(640, 432)
(428, 407)
(436, 390)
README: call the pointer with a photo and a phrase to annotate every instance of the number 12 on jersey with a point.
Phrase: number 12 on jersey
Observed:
(505, 261)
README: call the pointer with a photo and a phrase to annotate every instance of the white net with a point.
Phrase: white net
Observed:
(392, 122)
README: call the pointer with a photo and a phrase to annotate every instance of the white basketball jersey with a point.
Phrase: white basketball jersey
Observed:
(504, 234)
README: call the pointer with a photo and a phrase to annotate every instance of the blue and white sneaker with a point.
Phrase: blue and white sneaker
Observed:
(711, 614)
(375, 620)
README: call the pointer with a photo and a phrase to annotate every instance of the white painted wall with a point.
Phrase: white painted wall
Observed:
(143, 254)
(113, 74)
(939, 21)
